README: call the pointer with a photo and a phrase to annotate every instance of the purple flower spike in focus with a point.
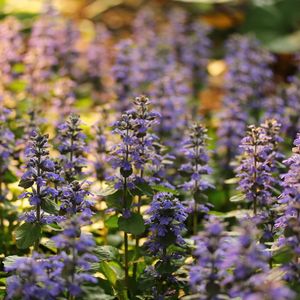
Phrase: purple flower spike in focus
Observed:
(136, 149)
(72, 147)
(255, 172)
(144, 121)
(73, 199)
(196, 168)
(166, 223)
(122, 155)
(39, 176)
(101, 153)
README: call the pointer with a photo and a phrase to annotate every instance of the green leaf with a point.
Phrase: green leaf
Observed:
(231, 214)
(112, 222)
(283, 255)
(143, 188)
(96, 293)
(134, 224)
(17, 86)
(112, 271)
(27, 234)
(285, 44)
(9, 177)
(237, 198)
(232, 180)
(49, 244)
(26, 183)
(106, 191)
(116, 200)
(161, 188)
(107, 253)
(49, 206)
(10, 260)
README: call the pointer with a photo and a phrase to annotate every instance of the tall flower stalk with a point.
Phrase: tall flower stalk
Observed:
(144, 120)
(254, 171)
(196, 155)
(246, 264)
(290, 220)
(206, 274)
(72, 147)
(39, 176)
(122, 158)
(74, 259)
(166, 223)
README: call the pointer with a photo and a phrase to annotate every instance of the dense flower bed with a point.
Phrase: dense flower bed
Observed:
(112, 186)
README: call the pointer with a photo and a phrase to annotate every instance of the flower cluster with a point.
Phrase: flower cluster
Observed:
(72, 148)
(166, 223)
(246, 264)
(249, 71)
(99, 58)
(196, 153)
(39, 176)
(60, 275)
(290, 221)
(126, 72)
(10, 49)
(199, 46)
(73, 263)
(6, 140)
(136, 147)
(170, 94)
(101, 153)
(64, 97)
(255, 170)
(231, 130)
(43, 43)
(73, 199)
(67, 38)
(292, 106)
(206, 274)
(247, 82)
(246, 258)
(144, 120)
(31, 279)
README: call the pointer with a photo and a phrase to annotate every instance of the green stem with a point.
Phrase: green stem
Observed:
(137, 240)
(126, 260)
(195, 218)
(38, 206)
(2, 221)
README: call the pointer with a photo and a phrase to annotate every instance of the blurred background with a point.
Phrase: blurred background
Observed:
(276, 23)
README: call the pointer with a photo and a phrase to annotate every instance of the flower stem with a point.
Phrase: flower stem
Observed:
(126, 260)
